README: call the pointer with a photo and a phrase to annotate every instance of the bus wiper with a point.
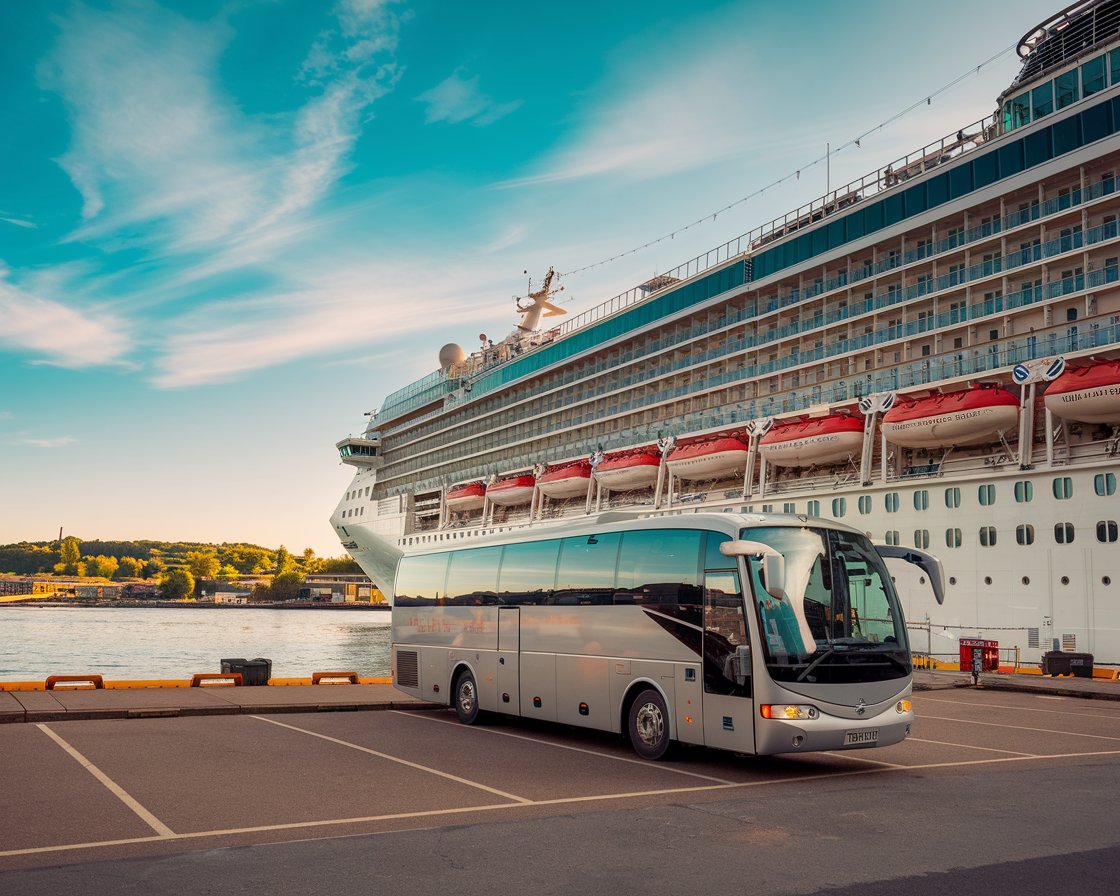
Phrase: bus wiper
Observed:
(820, 659)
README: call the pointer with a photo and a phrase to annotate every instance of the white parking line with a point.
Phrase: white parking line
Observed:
(560, 801)
(415, 765)
(1021, 728)
(427, 717)
(1008, 706)
(149, 819)
(945, 743)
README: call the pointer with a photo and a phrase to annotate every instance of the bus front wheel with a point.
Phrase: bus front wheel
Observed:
(649, 725)
(466, 698)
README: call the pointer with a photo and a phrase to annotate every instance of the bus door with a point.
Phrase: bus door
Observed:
(728, 701)
(509, 659)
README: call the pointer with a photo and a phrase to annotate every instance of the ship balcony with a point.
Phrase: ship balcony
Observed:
(360, 452)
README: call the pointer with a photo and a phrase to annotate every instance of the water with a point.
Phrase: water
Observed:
(175, 643)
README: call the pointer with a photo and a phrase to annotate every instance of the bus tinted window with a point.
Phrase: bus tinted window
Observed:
(473, 579)
(420, 580)
(661, 568)
(713, 559)
(586, 572)
(528, 572)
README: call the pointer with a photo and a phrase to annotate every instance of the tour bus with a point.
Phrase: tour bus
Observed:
(754, 633)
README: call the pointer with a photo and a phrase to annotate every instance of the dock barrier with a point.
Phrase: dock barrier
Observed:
(334, 678)
(219, 679)
(83, 682)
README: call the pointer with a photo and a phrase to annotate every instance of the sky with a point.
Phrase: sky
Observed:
(229, 229)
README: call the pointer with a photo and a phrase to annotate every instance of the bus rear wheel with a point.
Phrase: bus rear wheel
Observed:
(649, 725)
(466, 698)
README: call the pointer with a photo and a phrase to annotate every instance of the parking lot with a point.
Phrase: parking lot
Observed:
(97, 790)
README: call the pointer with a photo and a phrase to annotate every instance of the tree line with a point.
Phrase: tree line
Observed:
(181, 568)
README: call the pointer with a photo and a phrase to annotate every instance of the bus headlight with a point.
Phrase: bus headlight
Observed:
(903, 706)
(790, 711)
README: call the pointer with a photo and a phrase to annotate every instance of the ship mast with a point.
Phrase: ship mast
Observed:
(538, 304)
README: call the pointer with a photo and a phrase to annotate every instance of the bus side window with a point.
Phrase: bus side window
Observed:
(725, 630)
(586, 571)
(660, 569)
(421, 580)
(528, 572)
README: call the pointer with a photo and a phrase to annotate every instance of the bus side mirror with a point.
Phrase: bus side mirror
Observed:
(773, 564)
(774, 575)
(927, 563)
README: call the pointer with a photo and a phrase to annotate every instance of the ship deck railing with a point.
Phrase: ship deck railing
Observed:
(1035, 212)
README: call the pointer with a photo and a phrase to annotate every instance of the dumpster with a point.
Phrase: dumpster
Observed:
(1060, 662)
(256, 671)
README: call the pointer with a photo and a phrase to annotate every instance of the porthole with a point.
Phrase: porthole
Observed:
(952, 580)
(1106, 580)
(987, 580)
(1026, 580)
(921, 580)
(1065, 580)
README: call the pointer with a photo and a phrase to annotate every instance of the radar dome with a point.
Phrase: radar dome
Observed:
(450, 354)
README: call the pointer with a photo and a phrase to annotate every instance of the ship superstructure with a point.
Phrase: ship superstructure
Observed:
(929, 353)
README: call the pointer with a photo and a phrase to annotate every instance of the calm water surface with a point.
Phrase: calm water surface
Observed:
(157, 642)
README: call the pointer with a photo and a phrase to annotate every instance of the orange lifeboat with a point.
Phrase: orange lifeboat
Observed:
(512, 491)
(971, 417)
(1088, 394)
(628, 470)
(708, 460)
(566, 481)
(820, 440)
(466, 497)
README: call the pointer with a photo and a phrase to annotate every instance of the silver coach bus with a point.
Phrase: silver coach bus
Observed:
(758, 634)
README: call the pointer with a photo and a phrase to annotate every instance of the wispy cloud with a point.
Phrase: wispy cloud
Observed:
(56, 333)
(55, 442)
(5, 416)
(18, 222)
(458, 98)
(162, 155)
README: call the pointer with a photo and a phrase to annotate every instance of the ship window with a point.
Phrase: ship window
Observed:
(1067, 135)
(952, 498)
(1063, 488)
(921, 499)
(1021, 110)
(1066, 84)
(767, 508)
(865, 503)
(987, 495)
(1024, 492)
(789, 508)
(921, 538)
(1104, 484)
(1092, 76)
(813, 508)
(1024, 534)
(1036, 148)
(1106, 531)
(891, 500)
(1063, 533)
(1042, 99)
(953, 538)
(839, 507)
(892, 537)
(988, 536)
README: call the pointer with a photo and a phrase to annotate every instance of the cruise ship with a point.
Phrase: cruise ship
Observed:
(930, 354)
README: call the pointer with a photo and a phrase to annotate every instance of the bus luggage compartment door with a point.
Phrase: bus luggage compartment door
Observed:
(509, 659)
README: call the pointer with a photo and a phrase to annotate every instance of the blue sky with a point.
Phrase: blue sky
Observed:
(227, 229)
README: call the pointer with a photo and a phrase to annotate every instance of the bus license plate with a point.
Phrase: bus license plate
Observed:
(857, 738)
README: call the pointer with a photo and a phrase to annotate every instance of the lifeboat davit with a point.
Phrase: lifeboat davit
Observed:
(634, 469)
(708, 460)
(566, 481)
(467, 497)
(1088, 394)
(821, 440)
(512, 491)
(972, 417)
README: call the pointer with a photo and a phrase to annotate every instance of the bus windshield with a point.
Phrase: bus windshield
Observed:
(840, 620)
